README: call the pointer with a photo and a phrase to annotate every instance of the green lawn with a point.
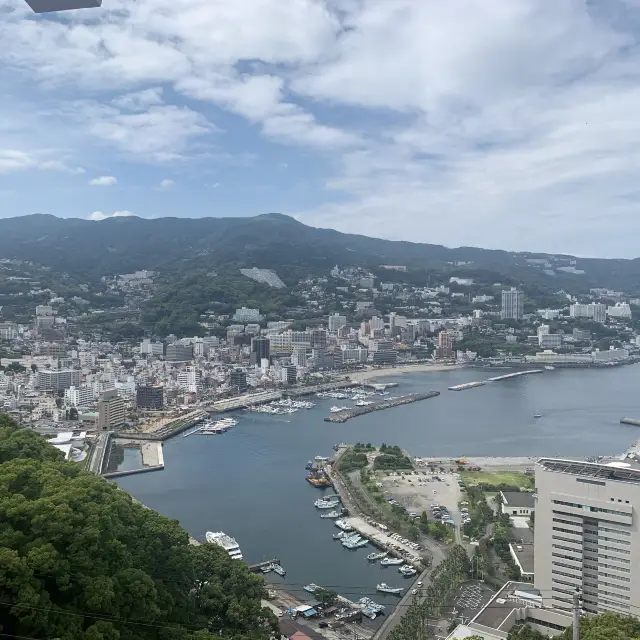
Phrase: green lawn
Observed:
(515, 478)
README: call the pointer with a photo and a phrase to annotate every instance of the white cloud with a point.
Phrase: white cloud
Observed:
(99, 215)
(166, 183)
(13, 160)
(104, 181)
(508, 124)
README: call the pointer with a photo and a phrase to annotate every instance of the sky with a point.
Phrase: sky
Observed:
(502, 124)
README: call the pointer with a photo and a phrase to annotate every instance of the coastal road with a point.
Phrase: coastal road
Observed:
(98, 453)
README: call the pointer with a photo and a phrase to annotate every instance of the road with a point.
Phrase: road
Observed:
(98, 453)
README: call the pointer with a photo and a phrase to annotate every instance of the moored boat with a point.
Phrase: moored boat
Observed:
(311, 588)
(331, 514)
(385, 588)
(279, 570)
(322, 503)
(228, 543)
(388, 562)
(376, 556)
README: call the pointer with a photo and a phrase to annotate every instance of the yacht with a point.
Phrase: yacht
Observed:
(407, 571)
(355, 544)
(363, 403)
(376, 556)
(388, 562)
(322, 503)
(385, 588)
(228, 543)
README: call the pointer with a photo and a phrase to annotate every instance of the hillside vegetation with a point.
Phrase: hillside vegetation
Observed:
(80, 560)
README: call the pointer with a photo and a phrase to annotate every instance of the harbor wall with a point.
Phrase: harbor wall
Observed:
(347, 414)
(130, 472)
(632, 421)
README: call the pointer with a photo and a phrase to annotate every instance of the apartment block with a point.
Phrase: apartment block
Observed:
(587, 535)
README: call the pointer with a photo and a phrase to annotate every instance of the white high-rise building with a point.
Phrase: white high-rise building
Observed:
(151, 348)
(247, 315)
(78, 396)
(512, 304)
(336, 321)
(376, 323)
(620, 310)
(593, 310)
(587, 534)
(190, 380)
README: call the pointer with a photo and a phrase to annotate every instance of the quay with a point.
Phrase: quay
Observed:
(347, 414)
(150, 451)
(167, 428)
(632, 421)
(257, 568)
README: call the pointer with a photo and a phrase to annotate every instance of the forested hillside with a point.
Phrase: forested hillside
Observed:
(80, 560)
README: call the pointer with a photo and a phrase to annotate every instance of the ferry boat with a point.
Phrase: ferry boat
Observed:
(407, 571)
(385, 588)
(322, 503)
(388, 562)
(376, 556)
(228, 543)
(311, 588)
(331, 514)
(279, 570)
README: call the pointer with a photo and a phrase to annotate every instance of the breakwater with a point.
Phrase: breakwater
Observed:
(632, 421)
(347, 414)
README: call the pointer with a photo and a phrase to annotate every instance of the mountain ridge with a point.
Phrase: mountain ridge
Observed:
(272, 240)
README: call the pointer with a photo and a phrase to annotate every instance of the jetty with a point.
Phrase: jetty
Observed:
(347, 414)
(632, 421)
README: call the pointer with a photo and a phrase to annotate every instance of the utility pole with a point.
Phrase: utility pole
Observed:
(576, 614)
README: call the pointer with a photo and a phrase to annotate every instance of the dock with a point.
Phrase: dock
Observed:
(257, 568)
(632, 421)
(347, 414)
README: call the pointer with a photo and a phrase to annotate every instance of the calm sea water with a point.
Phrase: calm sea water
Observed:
(250, 482)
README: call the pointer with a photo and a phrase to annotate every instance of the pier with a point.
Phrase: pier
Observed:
(631, 421)
(257, 568)
(347, 414)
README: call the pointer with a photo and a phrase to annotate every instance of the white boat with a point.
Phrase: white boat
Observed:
(355, 544)
(322, 503)
(407, 571)
(549, 367)
(345, 526)
(363, 403)
(331, 514)
(385, 588)
(279, 570)
(376, 556)
(337, 409)
(228, 543)
(311, 588)
(388, 562)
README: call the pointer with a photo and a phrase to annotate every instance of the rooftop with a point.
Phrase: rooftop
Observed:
(524, 553)
(522, 499)
(513, 595)
(621, 469)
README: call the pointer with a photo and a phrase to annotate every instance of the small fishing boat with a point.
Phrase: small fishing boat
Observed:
(537, 415)
(385, 588)
(311, 588)
(331, 514)
(376, 556)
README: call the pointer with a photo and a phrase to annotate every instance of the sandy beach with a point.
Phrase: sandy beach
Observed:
(371, 374)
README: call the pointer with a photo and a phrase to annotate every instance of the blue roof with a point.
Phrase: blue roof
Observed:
(309, 613)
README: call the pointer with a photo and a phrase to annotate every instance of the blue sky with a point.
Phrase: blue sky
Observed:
(500, 124)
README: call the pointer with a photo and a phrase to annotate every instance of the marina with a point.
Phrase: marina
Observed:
(347, 414)
(263, 461)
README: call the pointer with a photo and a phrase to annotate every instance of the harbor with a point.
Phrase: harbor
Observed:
(346, 414)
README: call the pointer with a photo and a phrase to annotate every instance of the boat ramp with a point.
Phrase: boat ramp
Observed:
(347, 414)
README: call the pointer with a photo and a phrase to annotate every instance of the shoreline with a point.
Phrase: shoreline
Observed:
(372, 374)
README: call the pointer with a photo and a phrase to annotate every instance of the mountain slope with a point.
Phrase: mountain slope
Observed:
(119, 245)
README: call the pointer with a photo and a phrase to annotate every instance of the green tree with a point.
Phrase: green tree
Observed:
(80, 560)
(326, 596)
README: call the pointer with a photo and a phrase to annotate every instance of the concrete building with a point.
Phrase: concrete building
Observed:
(336, 321)
(111, 413)
(619, 310)
(151, 348)
(179, 352)
(78, 396)
(299, 356)
(512, 304)
(260, 350)
(593, 310)
(514, 603)
(289, 374)
(550, 340)
(581, 335)
(587, 534)
(247, 315)
(382, 352)
(58, 380)
(238, 381)
(190, 380)
(444, 348)
(150, 396)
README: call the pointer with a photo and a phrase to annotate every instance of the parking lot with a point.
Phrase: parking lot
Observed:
(422, 490)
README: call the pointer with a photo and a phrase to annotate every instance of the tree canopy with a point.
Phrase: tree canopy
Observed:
(80, 560)
(606, 626)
